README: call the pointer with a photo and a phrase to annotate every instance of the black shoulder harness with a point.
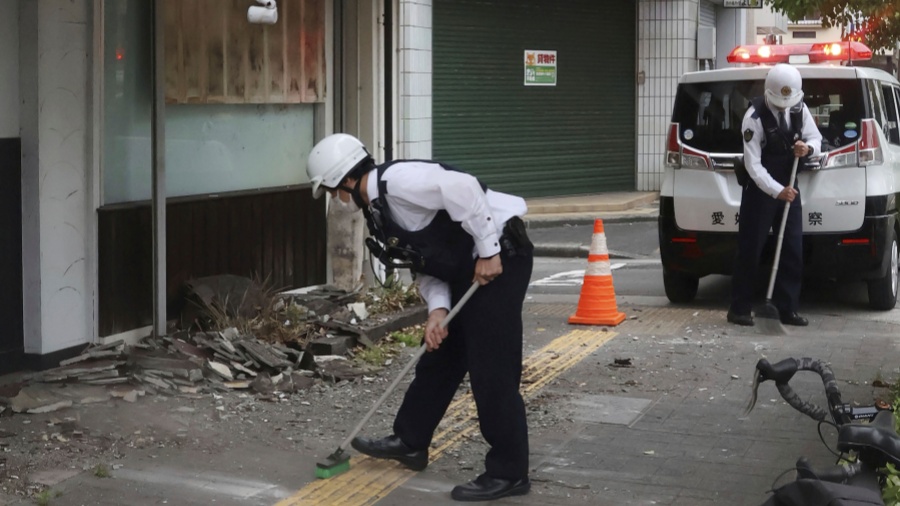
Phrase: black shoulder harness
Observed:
(770, 124)
(442, 249)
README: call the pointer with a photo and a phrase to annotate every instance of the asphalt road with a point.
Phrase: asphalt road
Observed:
(636, 239)
(637, 272)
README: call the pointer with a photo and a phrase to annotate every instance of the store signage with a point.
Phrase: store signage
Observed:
(540, 68)
(744, 4)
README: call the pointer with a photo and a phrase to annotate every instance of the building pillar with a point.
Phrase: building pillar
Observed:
(667, 48)
(55, 90)
(415, 67)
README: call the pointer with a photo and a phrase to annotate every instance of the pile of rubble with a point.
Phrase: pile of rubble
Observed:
(185, 362)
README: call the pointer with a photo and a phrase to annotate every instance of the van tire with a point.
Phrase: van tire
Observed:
(680, 286)
(883, 291)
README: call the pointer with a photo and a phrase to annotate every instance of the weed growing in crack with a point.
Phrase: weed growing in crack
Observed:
(392, 298)
(44, 497)
(376, 355)
(101, 471)
(409, 337)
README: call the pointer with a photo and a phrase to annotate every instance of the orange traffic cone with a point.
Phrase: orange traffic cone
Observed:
(597, 305)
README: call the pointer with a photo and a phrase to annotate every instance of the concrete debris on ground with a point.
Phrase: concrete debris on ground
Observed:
(327, 324)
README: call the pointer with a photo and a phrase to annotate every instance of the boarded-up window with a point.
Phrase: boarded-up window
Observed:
(214, 55)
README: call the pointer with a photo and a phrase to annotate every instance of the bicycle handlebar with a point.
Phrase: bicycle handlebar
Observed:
(834, 474)
(782, 372)
(875, 444)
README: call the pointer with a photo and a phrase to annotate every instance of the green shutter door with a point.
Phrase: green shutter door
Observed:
(573, 138)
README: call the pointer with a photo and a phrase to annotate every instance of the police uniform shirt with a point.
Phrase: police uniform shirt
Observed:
(417, 190)
(753, 146)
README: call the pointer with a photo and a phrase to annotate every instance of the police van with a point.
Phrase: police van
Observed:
(849, 198)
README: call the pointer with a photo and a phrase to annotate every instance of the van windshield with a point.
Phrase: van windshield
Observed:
(710, 113)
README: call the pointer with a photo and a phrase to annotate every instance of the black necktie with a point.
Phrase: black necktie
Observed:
(782, 122)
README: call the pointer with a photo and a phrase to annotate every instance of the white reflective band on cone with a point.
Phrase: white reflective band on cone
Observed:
(600, 268)
(598, 244)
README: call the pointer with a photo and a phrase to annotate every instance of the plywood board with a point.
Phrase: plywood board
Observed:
(214, 55)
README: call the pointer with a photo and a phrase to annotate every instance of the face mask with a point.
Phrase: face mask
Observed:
(344, 207)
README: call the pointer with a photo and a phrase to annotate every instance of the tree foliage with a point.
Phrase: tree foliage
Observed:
(876, 22)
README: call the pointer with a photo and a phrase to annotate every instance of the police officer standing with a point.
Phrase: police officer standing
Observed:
(451, 230)
(777, 128)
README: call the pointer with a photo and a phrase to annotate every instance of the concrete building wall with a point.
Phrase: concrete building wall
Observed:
(732, 29)
(415, 66)
(667, 48)
(55, 86)
(830, 34)
(767, 22)
(9, 69)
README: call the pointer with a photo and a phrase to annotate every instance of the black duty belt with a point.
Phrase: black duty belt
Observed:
(514, 241)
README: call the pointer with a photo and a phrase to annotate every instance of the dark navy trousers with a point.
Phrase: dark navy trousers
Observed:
(485, 340)
(759, 213)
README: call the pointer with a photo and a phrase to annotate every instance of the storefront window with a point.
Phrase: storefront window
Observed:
(249, 126)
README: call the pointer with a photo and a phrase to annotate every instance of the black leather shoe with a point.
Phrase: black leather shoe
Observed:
(740, 319)
(392, 448)
(792, 318)
(485, 488)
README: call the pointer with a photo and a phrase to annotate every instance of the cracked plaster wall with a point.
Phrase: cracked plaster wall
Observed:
(54, 44)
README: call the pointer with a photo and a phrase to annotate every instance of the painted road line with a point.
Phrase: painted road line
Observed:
(569, 278)
(370, 480)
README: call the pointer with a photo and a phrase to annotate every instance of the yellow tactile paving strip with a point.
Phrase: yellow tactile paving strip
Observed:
(645, 319)
(369, 480)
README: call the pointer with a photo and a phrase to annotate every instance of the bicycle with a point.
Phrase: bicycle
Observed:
(866, 438)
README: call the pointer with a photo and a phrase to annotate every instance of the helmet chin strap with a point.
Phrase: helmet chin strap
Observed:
(354, 193)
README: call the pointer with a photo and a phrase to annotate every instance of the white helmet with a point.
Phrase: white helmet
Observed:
(332, 159)
(784, 86)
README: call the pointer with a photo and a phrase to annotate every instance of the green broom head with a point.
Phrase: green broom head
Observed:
(336, 463)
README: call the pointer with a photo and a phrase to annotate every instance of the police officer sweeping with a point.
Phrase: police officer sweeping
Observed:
(450, 230)
(777, 128)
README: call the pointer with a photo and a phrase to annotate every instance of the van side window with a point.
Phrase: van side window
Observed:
(890, 105)
(876, 100)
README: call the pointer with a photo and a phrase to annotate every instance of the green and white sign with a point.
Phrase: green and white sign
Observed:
(540, 68)
(743, 4)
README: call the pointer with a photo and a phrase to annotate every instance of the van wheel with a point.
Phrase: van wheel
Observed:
(680, 286)
(883, 292)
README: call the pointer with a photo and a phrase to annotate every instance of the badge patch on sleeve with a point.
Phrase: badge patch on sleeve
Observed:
(748, 135)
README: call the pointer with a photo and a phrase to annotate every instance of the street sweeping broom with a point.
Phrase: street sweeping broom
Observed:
(339, 461)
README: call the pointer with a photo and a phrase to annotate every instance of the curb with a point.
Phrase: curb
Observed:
(550, 221)
(577, 250)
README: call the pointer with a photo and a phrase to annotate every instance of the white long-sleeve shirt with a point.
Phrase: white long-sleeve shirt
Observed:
(417, 190)
(753, 148)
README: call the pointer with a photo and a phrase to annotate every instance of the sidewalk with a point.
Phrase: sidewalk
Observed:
(584, 209)
(645, 413)
(545, 214)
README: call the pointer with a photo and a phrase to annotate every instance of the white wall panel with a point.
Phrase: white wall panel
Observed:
(55, 87)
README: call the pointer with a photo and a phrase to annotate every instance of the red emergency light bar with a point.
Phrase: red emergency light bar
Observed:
(820, 52)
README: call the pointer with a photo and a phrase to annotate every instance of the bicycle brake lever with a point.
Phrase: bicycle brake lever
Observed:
(780, 373)
(752, 402)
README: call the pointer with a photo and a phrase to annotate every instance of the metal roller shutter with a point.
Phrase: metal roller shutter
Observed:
(707, 13)
(573, 138)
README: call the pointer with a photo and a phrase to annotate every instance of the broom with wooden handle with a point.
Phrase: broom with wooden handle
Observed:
(767, 315)
(339, 461)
